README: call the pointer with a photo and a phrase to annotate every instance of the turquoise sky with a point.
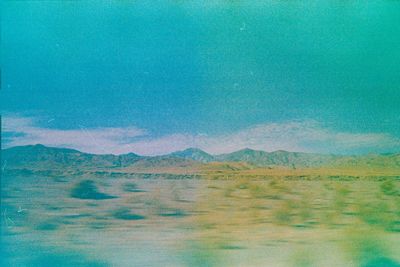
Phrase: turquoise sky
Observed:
(188, 69)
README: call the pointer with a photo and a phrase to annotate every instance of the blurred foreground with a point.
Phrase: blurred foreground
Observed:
(228, 220)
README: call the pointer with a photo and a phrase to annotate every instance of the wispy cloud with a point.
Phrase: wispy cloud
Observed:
(306, 136)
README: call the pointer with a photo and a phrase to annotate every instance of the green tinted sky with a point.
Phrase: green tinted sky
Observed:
(177, 70)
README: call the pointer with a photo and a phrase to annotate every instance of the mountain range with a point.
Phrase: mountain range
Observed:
(48, 158)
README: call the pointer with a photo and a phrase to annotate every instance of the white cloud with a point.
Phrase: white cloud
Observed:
(98, 140)
(306, 136)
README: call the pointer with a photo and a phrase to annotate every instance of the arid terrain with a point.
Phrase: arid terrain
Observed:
(198, 214)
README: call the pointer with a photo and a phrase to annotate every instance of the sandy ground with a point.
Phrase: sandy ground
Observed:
(201, 222)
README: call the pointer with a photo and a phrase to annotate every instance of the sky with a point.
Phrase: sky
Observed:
(152, 77)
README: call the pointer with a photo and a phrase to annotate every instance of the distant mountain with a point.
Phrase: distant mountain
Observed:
(302, 160)
(128, 159)
(42, 157)
(194, 154)
(39, 157)
(277, 158)
(377, 161)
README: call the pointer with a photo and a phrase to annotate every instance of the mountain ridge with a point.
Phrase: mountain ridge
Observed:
(194, 154)
(43, 157)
